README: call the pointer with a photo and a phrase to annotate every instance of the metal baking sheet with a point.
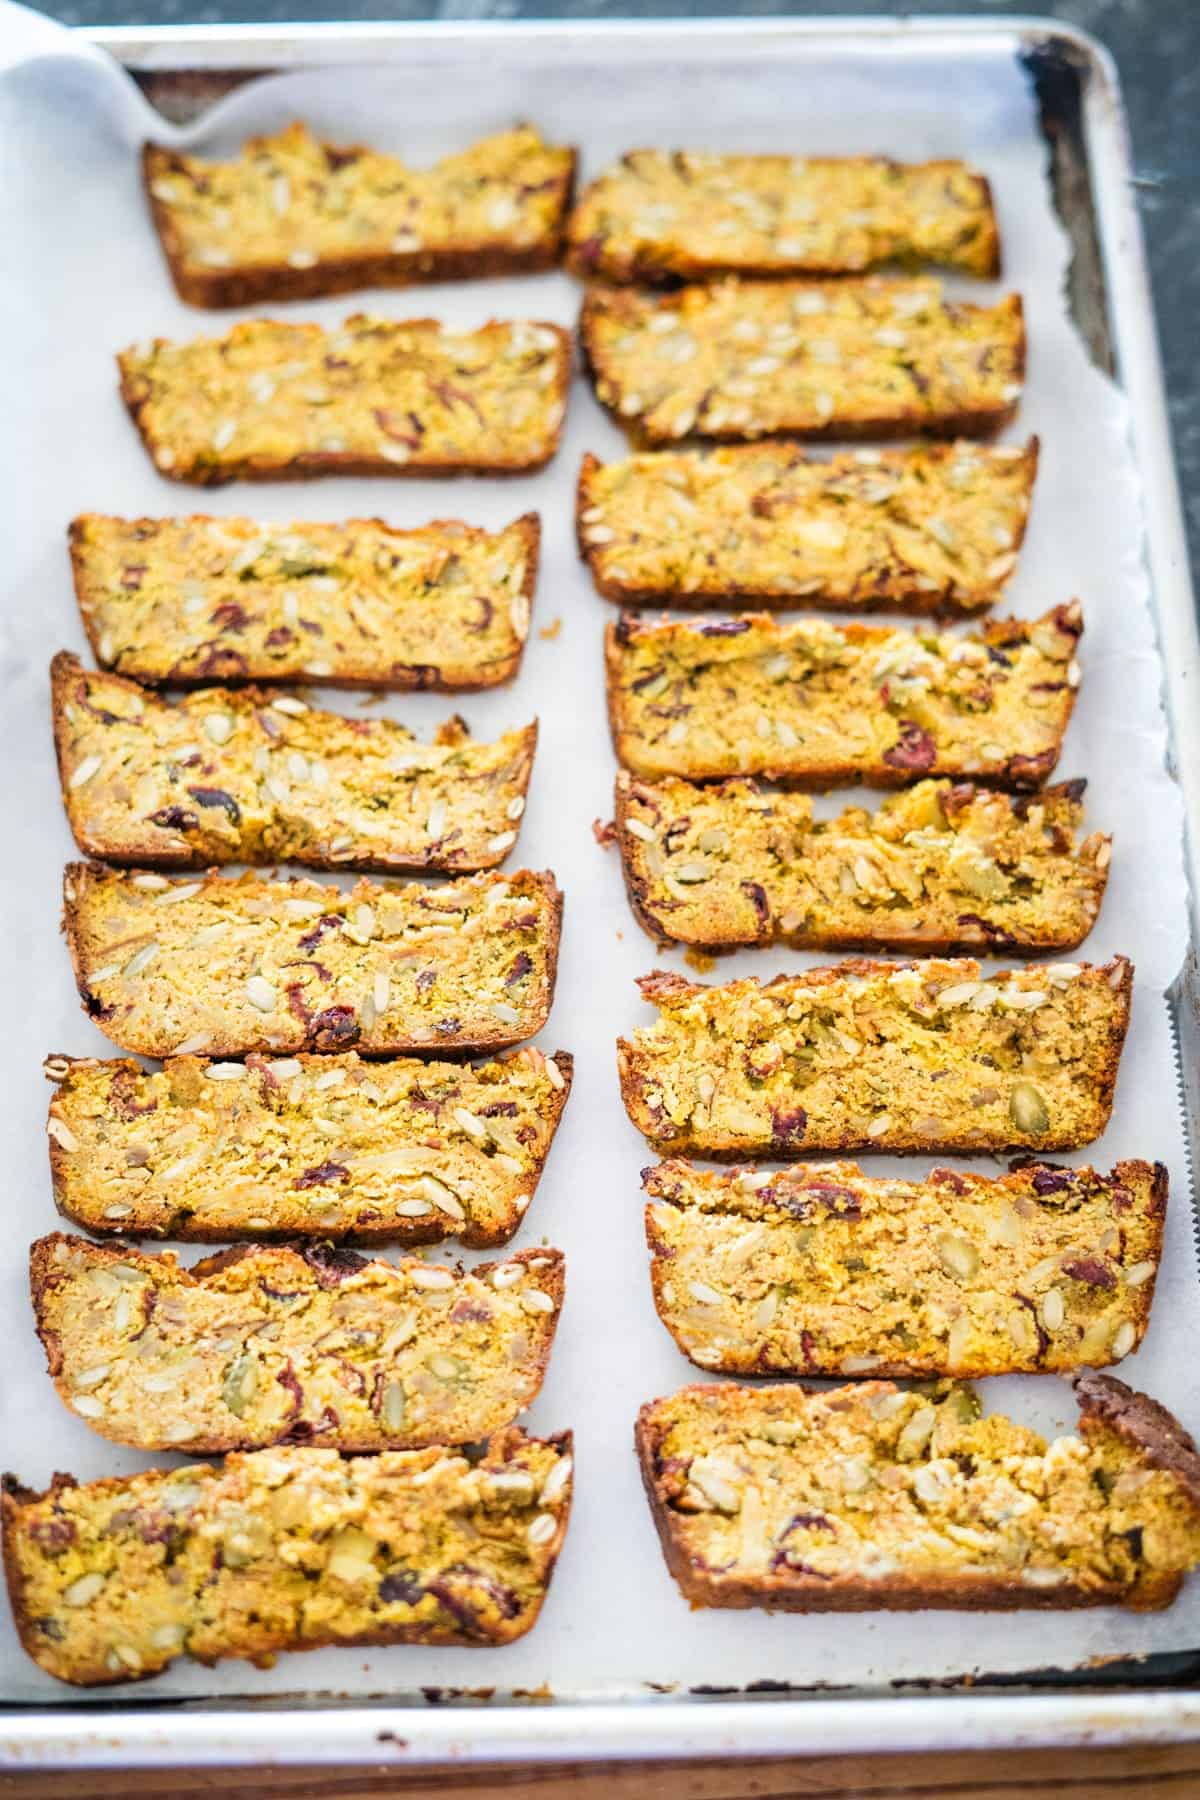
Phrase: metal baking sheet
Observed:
(627, 1669)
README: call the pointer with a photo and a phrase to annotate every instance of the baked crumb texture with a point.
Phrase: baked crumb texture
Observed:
(926, 1055)
(228, 775)
(227, 965)
(260, 1346)
(285, 1549)
(293, 217)
(940, 866)
(194, 600)
(816, 705)
(399, 1151)
(866, 1497)
(935, 529)
(373, 396)
(660, 216)
(747, 359)
(822, 1270)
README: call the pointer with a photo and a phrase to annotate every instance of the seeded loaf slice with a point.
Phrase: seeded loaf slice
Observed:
(935, 529)
(293, 217)
(732, 360)
(285, 1549)
(229, 965)
(822, 1270)
(816, 705)
(661, 216)
(270, 1345)
(865, 1497)
(228, 775)
(878, 1055)
(941, 866)
(374, 397)
(195, 600)
(387, 1152)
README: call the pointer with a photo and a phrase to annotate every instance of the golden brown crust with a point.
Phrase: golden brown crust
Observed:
(661, 217)
(251, 283)
(228, 775)
(1054, 1571)
(260, 1346)
(112, 1580)
(247, 632)
(427, 1151)
(502, 932)
(768, 525)
(868, 1055)
(821, 1270)
(936, 385)
(179, 398)
(940, 867)
(814, 705)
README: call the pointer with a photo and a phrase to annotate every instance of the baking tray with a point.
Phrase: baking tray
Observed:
(183, 70)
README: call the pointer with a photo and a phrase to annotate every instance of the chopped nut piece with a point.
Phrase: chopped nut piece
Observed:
(770, 525)
(267, 1552)
(293, 217)
(826, 373)
(813, 705)
(395, 396)
(809, 1061)
(902, 1277)
(450, 952)
(907, 874)
(167, 799)
(955, 1510)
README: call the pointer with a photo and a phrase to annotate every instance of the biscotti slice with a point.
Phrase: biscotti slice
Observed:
(814, 705)
(228, 775)
(399, 1151)
(661, 216)
(228, 965)
(373, 396)
(285, 1549)
(269, 1345)
(942, 866)
(879, 1056)
(186, 601)
(866, 1497)
(822, 1270)
(293, 217)
(935, 529)
(745, 359)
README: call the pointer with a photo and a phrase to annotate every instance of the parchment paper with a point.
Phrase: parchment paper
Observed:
(81, 276)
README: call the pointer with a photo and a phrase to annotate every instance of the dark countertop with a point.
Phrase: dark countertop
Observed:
(1156, 44)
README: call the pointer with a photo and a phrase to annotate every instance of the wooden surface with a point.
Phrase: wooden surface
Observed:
(1168, 1772)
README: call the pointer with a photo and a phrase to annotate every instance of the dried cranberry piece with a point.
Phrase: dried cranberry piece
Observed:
(913, 749)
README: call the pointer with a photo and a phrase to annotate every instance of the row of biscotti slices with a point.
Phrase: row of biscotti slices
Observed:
(855, 1498)
(295, 217)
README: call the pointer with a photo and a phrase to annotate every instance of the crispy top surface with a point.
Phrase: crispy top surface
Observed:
(233, 599)
(813, 702)
(225, 775)
(745, 359)
(937, 526)
(381, 390)
(259, 1345)
(909, 1053)
(735, 862)
(400, 1150)
(865, 1483)
(659, 214)
(290, 200)
(286, 1548)
(236, 964)
(823, 1269)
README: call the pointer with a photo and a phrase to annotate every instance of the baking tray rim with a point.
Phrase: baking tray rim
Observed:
(321, 1731)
